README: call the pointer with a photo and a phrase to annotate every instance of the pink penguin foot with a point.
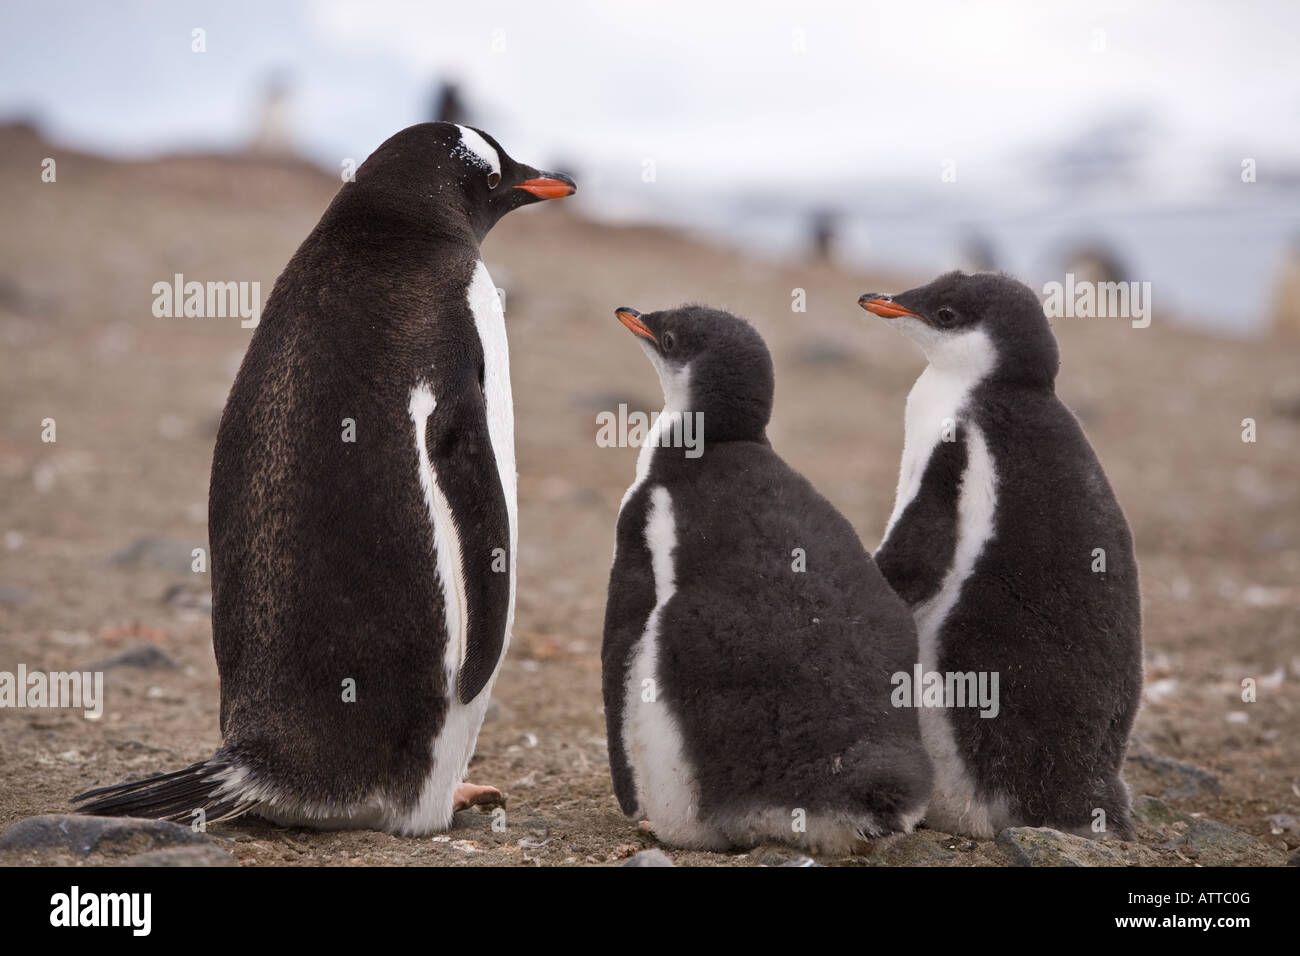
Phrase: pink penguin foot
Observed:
(471, 795)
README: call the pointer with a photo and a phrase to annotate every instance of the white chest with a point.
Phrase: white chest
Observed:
(934, 414)
(934, 407)
(454, 745)
(490, 323)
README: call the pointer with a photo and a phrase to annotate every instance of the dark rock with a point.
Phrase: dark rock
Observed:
(83, 835)
(1178, 779)
(1043, 846)
(147, 658)
(648, 858)
(182, 856)
(1204, 841)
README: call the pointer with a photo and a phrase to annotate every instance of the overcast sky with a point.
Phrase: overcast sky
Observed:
(738, 94)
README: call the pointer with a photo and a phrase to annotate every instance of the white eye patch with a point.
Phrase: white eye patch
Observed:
(477, 150)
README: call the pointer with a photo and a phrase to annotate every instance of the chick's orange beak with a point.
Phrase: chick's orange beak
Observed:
(632, 319)
(882, 305)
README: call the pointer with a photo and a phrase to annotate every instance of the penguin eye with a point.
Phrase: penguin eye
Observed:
(668, 341)
(493, 180)
(946, 316)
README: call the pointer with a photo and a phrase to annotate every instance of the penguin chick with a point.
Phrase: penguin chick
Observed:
(749, 639)
(1016, 559)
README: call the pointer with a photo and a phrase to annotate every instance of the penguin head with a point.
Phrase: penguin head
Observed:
(709, 362)
(433, 171)
(983, 324)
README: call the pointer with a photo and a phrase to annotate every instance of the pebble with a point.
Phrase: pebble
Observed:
(147, 658)
(1279, 823)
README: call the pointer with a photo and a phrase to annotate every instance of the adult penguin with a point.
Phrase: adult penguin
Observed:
(362, 511)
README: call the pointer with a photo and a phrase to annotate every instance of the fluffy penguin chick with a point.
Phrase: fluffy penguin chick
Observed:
(749, 638)
(362, 509)
(1008, 544)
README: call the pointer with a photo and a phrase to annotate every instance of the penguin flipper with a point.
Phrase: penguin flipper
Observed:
(171, 796)
(466, 476)
(916, 555)
(614, 673)
(630, 602)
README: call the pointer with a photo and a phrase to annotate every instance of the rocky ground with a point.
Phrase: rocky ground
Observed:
(98, 526)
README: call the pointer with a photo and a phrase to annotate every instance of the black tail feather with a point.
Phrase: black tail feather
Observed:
(170, 796)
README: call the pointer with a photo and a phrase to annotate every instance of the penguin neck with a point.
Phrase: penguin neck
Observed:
(675, 380)
(966, 358)
(670, 428)
(957, 366)
(385, 255)
(693, 419)
(388, 220)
